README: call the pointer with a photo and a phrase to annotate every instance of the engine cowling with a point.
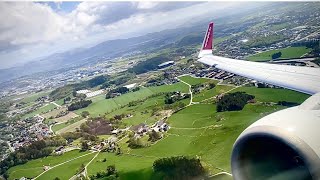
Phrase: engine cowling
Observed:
(282, 145)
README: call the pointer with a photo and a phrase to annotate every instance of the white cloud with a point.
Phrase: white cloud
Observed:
(147, 4)
(29, 30)
(24, 23)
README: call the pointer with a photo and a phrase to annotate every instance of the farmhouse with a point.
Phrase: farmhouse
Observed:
(140, 129)
(160, 126)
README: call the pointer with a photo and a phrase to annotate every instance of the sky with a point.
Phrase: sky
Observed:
(33, 30)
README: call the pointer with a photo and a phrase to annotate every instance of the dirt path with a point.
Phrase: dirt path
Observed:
(85, 171)
(62, 164)
(191, 94)
(56, 104)
(190, 91)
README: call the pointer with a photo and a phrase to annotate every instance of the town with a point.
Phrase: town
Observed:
(132, 105)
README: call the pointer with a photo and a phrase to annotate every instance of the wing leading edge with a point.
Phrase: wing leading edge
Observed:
(302, 79)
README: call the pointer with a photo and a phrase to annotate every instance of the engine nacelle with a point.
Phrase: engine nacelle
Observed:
(282, 145)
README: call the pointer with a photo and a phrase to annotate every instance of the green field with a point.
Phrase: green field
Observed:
(71, 127)
(142, 113)
(67, 170)
(35, 167)
(101, 105)
(194, 81)
(197, 131)
(58, 127)
(274, 95)
(287, 53)
(28, 99)
(41, 110)
(129, 167)
(205, 94)
(193, 134)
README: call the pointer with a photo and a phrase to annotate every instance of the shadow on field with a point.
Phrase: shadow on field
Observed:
(143, 174)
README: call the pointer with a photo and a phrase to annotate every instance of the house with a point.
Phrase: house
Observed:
(46, 168)
(141, 128)
(59, 150)
(160, 126)
(96, 147)
(116, 131)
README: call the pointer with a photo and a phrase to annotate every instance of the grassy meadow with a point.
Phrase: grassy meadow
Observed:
(197, 131)
(287, 53)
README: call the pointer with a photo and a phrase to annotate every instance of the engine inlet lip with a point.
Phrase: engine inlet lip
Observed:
(311, 159)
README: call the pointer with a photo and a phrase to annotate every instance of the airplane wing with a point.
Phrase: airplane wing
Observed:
(302, 79)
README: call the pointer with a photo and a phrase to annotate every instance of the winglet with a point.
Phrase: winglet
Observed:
(206, 48)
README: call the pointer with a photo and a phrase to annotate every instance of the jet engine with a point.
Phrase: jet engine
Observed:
(282, 145)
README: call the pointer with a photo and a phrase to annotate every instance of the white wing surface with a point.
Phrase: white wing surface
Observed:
(302, 79)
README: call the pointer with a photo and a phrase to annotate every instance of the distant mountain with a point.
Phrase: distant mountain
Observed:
(191, 33)
(108, 49)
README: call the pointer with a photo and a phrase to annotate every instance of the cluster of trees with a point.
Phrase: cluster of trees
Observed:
(179, 167)
(71, 136)
(121, 90)
(85, 114)
(135, 143)
(120, 79)
(84, 146)
(96, 81)
(37, 149)
(233, 101)
(78, 105)
(62, 92)
(154, 136)
(4, 107)
(149, 64)
(110, 174)
(315, 48)
(136, 89)
(211, 85)
(196, 88)
(175, 107)
(67, 99)
(276, 55)
(171, 97)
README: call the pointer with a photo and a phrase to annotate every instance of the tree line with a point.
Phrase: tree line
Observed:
(121, 90)
(233, 101)
(78, 105)
(179, 167)
(149, 64)
(37, 149)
